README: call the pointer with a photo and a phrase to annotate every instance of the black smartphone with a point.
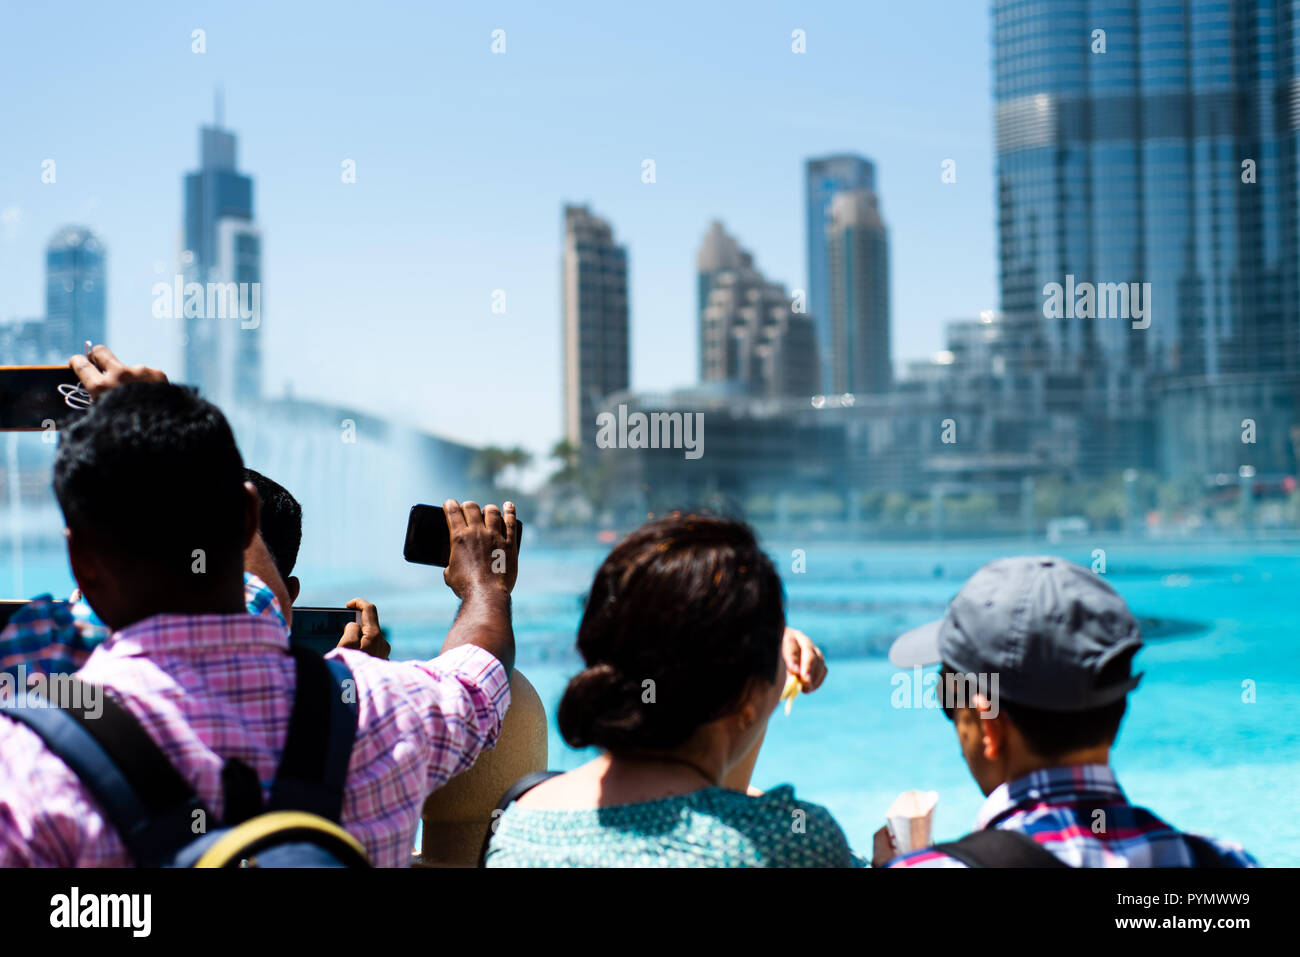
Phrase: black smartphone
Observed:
(428, 539)
(34, 398)
(320, 628)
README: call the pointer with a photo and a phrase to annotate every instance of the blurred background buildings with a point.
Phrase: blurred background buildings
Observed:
(1136, 142)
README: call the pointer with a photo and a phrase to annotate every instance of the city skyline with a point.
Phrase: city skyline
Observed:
(1225, 308)
(367, 282)
(781, 357)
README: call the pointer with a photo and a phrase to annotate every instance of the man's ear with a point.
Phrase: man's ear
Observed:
(993, 731)
(754, 702)
(85, 570)
(92, 579)
(252, 513)
(293, 586)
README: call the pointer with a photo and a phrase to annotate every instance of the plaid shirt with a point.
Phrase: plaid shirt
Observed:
(211, 687)
(49, 637)
(56, 638)
(1058, 808)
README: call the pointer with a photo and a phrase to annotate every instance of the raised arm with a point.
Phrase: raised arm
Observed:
(481, 571)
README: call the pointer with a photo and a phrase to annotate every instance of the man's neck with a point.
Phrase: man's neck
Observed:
(1019, 766)
(227, 600)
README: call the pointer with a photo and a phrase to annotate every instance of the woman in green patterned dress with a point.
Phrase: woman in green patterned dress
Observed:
(686, 649)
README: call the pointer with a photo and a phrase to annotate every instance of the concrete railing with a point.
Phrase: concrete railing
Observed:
(458, 814)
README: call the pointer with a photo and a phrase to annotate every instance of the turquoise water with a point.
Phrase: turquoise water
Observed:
(1190, 749)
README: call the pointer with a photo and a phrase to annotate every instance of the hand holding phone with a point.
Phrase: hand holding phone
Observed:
(428, 538)
(365, 634)
(473, 544)
(100, 371)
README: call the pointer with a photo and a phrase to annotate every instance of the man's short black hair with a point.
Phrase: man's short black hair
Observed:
(1049, 734)
(281, 524)
(150, 474)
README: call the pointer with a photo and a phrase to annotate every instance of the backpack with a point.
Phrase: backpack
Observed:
(994, 847)
(162, 821)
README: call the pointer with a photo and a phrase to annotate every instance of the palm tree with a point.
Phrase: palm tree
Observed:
(491, 461)
(565, 453)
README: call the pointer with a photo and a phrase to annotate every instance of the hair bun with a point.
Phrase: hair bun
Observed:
(682, 615)
(600, 707)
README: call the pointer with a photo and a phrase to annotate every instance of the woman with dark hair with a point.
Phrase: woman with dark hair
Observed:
(686, 649)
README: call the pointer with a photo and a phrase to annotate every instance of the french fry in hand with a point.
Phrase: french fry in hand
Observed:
(792, 687)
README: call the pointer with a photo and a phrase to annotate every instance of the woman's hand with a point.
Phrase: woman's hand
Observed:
(803, 659)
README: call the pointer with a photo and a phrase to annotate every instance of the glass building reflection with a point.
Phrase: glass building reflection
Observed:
(1153, 141)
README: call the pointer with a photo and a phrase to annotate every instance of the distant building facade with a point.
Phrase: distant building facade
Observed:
(594, 306)
(858, 254)
(75, 287)
(1156, 146)
(824, 178)
(223, 245)
(984, 418)
(751, 338)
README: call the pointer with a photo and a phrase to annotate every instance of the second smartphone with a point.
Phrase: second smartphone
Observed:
(428, 539)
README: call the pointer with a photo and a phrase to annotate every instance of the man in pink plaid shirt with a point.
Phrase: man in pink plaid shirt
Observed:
(158, 518)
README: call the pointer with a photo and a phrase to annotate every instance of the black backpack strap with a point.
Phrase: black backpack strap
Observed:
(1204, 853)
(322, 728)
(513, 794)
(241, 792)
(152, 808)
(994, 847)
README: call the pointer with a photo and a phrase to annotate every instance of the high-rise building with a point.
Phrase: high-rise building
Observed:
(593, 282)
(750, 336)
(74, 290)
(858, 255)
(718, 253)
(1155, 143)
(223, 253)
(823, 179)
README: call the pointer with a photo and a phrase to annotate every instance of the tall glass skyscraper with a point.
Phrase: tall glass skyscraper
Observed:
(593, 284)
(1152, 141)
(858, 256)
(824, 178)
(1155, 142)
(74, 290)
(222, 245)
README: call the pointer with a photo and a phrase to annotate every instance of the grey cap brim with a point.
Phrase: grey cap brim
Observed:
(917, 648)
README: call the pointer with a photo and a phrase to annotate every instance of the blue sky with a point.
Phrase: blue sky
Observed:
(378, 293)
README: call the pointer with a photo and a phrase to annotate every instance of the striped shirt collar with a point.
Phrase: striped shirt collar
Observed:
(1059, 785)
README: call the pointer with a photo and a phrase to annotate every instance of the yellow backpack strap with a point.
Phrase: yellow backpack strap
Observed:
(242, 842)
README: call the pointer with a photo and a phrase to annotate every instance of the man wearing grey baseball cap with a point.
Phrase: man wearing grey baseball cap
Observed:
(1036, 667)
